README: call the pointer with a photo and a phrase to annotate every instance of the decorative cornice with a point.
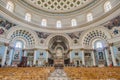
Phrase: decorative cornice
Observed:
(35, 49)
(47, 49)
(28, 49)
(87, 49)
(82, 49)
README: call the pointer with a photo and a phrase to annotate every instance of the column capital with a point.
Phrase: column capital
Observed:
(6, 44)
(82, 49)
(47, 49)
(70, 49)
(26, 49)
(110, 44)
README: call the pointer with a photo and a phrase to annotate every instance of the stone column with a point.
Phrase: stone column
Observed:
(11, 56)
(4, 55)
(107, 56)
(47, 55)
(70, 53)
(25, 53)
(93, 57)
(35, 53)
(112, 54)
(83, 56)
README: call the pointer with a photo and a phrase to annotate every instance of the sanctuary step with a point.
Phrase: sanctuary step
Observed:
(58, 74)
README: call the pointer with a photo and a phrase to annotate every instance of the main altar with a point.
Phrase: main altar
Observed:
(59, 58)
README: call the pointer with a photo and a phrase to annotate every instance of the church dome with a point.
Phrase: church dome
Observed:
(61, 16)
(58, 6)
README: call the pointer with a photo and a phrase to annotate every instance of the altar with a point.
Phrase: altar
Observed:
(58, 63)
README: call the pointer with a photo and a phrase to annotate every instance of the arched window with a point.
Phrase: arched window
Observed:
(58, 24)
(10, 6)
(89, 17)
(28, 17)
(107, 6)
(44, 22)
(99, 45)
(18, 44)
(73, 22)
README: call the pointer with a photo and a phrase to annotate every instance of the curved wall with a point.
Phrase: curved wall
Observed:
(80, 16)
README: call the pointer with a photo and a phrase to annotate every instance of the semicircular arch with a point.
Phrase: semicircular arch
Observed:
(89, 35)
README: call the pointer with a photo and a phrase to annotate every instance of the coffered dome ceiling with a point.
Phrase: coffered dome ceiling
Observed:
(58, 6)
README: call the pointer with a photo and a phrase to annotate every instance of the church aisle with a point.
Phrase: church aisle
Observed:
(58, 74)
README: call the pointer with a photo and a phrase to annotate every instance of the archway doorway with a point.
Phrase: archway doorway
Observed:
(59, 49)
